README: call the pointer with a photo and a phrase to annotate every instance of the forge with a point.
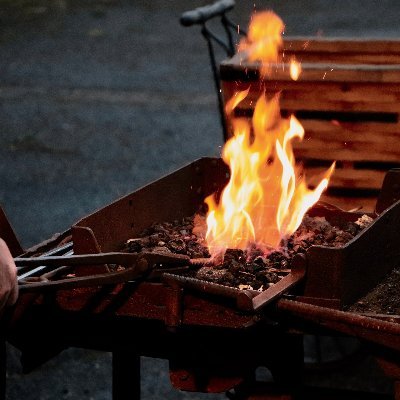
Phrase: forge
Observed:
(166, 311)
(112, 282)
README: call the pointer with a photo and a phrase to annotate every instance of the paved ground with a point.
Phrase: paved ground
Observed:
(103, 97)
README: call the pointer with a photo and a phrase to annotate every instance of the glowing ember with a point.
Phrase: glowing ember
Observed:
(266, 197)
(295, 69)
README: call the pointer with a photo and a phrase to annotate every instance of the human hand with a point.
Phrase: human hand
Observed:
(8, 277)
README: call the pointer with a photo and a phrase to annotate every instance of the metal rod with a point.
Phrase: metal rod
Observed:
(28, 270)
(125, 375)
(229, 35)
(218, 40)
(205, 32)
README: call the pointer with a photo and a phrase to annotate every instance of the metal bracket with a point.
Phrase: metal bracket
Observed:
(200, 16)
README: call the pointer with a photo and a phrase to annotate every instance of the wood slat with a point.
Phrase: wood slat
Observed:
(356, 94)
(325, 140)
(357, 131)
(342, 45)
(335, 97)
(237, 68)
(341, 87)
(343, 58)
(308, 104)
(322, 149)
(348, 178)
(364, 203)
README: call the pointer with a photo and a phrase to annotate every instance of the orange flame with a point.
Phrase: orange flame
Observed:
(264, 40)
(266, 197)
(295, 69)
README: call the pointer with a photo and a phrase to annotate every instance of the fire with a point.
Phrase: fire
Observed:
(264, 40)
(295, 69)
(267, 196)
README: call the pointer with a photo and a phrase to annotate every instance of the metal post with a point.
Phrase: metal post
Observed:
(125, 375)
(217, 82)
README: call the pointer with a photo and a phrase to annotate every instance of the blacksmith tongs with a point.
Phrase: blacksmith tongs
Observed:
(136, 265)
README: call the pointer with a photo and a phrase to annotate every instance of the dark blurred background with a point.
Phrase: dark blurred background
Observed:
(98, 98)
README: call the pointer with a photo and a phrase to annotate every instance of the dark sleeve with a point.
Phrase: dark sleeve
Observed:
(2, 368)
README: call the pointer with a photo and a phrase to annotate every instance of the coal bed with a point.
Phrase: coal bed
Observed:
(250, 269)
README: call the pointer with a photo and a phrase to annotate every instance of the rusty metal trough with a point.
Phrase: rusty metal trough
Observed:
(154, 314)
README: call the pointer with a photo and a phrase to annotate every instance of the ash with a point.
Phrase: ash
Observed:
(383, 299)
(244, 269)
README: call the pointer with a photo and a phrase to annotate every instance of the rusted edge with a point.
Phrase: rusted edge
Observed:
(372, 329)
(390, 192)
(242, 297)
(297, 274)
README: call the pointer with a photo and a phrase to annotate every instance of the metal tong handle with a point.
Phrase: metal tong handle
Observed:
(125, 259)
(203, 14)
(137, 264)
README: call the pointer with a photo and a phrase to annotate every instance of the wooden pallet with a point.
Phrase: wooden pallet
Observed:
(348, 100)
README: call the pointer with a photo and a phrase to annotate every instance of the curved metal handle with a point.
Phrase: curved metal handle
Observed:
(110, 278)
(203, 14)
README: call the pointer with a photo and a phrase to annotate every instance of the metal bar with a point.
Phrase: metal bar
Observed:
(104, 258)
(296, 275)
(246, 300)
(217, 81)
(138, 265)
(66, 248)
(204, 286)
(229, 35)
(125, 375)
(80, 259)
(373, 330)
(218, 40)
(27, 271)
(110, 278)
(201, 15)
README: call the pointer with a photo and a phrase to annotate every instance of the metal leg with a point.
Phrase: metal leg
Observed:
(126, 375)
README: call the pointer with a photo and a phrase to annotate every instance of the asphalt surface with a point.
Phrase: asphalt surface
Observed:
(98, 99)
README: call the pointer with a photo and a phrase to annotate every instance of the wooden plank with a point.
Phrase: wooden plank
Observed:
(342, 45)
(363, 203)
(349, 142)
(330, 132)
(340, 87)
(355, 94)
(309, 104)
(325, 100)
(320, 96)
(340, 150)
(327, 141)
(237, 68)
(343, 58)
(356, 131)
(348, 178)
